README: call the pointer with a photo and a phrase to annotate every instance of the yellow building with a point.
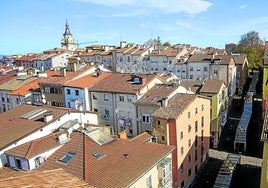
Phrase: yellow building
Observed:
(264, 136)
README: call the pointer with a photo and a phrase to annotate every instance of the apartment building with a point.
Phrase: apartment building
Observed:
(77, 91)
(47, 61)
(114, 98)
(52, 86)
(28, 122)
(154, 99)
(184, 122)
(217, 91)
(241, 63)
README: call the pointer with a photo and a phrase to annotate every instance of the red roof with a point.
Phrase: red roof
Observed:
(122, 162)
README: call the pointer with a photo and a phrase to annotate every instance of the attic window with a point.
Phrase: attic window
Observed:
(67, 157)
(97, 154)
(136, 80)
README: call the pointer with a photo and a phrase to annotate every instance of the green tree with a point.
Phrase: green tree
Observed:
(251, 44)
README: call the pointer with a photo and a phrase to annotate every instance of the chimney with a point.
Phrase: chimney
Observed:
(164, 102)
(123, 44)
(48, 117)
(122, 135)
(63, 72)
(63, 138)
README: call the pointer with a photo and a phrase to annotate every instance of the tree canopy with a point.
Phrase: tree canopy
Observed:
(251, 44)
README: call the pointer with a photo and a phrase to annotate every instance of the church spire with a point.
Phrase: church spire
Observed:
(67, 30)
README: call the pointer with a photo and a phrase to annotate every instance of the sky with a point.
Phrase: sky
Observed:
(32, 26)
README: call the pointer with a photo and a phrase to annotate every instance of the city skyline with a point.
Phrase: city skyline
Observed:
(35, 26)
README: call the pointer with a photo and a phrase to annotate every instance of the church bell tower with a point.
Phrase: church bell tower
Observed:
(67, 39)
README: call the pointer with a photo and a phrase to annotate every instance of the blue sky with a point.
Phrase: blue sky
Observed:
(35, 25)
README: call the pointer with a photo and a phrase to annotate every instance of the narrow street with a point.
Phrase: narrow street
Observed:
(245, 175)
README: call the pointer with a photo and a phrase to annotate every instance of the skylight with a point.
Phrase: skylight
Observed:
(97, 154)
(34, 113)
(66, 158)
(99, 136)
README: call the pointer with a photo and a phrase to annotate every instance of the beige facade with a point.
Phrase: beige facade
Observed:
(189, 131)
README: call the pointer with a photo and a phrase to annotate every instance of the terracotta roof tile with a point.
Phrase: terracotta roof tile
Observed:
(13, 127)
(156, 94)
(51, 178)
(7, 76)
(123, 161)
(176, 105)
(194, 86)
(88, 80)
(239, 59)
(27, 88)
(35, 147)
(212, 86)
(122, 83)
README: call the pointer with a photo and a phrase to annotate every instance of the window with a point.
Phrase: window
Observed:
(129, 99)
(196, 110)
(106, 98)
(205, 69)
(121, 98)
(191, 76)
(202, 107)
(106, 112)
(191, 68)
(145, 118)
(195, 153)
(47, 90)
(68, 91)
(189, 128)
(97, 154)
(196, 126)
(94, 96)
(164, 69)
(202, 135)
(181, 134)
(8, 101)
(189, 115)
(3, 99)
(76, 92)
(95, 110)
(189, 172)
(196, 141)
(163, 138)
(149, 181)
(182, 151)
(189, 157)
(66, 158)
(215, 72)
(202, 121)
(158, 124)
(189, 143)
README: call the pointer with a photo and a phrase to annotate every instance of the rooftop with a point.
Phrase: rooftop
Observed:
(12, 122)
(49, 178)
(176, 105)
(122, 83)
(102, 165)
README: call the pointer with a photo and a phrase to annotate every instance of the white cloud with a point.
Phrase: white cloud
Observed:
(191, 7)
(243, 6)
(184, 24)
(143, 25)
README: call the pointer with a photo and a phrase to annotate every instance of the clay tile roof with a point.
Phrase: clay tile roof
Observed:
(51, 178)
(12, 122)
(239, 59)
(17, 82)
(194, 85)
(88, 81)
(197, 57)
(224, 59)
(122, 162)
(212, 86)
(35, 147)
(27, 88)
(156, 94)
(7, 76)
(121, 83)
(176, 105)
(53, 76)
